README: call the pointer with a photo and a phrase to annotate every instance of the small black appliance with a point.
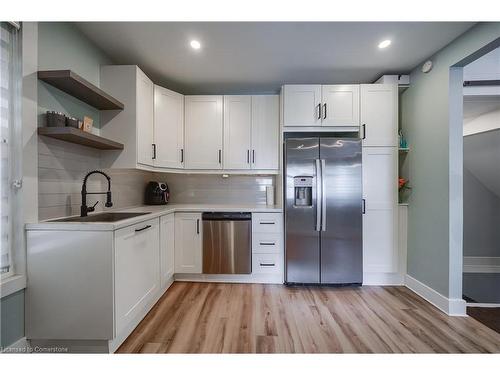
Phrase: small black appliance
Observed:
(156, 193)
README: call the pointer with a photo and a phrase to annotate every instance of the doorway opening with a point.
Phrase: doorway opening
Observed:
(481, 189)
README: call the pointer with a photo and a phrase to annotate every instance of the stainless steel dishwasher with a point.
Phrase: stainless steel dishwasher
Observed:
(227, 242)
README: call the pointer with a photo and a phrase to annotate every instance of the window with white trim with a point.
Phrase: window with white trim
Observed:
(10, 150)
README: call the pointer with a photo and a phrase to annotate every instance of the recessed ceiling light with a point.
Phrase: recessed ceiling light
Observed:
(384, 44)
(195, 44)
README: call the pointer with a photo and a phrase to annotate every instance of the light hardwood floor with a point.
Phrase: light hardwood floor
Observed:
(256, 318)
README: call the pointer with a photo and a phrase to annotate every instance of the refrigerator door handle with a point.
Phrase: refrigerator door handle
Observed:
(323, 197)
(319, 195)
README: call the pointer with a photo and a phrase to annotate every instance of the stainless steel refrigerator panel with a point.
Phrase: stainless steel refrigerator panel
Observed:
(227, 247)
(301, 236)
(341, 236)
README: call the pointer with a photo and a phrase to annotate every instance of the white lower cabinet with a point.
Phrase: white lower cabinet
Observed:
(267, 263)
(137, 280)
(188, 243)
(380, 246)
(167, 249)
(267, 245)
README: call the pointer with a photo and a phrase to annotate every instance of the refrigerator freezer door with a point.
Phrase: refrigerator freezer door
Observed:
(301, 235)
(341, 236)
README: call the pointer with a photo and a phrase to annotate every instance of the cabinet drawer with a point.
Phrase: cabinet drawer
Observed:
(266, 263)
(266, 243)
(267, 223)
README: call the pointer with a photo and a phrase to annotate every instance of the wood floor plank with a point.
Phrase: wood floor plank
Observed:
(259, 318)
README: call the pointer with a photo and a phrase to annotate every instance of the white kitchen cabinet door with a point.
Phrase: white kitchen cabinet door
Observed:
(379, 114)
(167, 248)
(144, 119)
(265, 132)
(301, 105)
(237, 131)
(203, 131)
(380, 247)
(188, 240)
(137, 278)
(168, 128)
(340, 105)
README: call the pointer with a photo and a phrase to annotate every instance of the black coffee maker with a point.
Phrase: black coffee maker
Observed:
(156, 193)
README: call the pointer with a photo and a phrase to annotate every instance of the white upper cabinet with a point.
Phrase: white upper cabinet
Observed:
(379, 114)
(265, 132)
(380, 248)
(203, 131)
(251, 132)
(237, 131)
(144, 119)
(340, 105)
(321, 105)
(133, 126)
(302, 105)
(168, 128)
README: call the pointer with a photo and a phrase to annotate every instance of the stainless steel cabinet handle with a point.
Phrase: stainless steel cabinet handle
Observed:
(267, 264)
(319, 111)
(146, 227)
(182, 155)
(324, 110)
(323, 197)
(197, 226)
(267, 243)
(318, 196)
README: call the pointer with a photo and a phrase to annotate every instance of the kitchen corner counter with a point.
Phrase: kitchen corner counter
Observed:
(153, 212)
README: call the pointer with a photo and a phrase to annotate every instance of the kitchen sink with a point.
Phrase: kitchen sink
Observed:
(105, 217)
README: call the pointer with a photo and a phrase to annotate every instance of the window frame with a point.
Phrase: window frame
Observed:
(11, 280)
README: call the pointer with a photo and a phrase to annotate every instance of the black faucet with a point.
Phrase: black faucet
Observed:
(83, 208)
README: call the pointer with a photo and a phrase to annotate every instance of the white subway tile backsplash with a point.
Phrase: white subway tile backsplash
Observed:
(62, 167)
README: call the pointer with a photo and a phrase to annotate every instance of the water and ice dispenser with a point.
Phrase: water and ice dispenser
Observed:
(303, 191)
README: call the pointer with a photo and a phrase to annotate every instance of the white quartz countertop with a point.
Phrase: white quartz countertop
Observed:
(153, 212)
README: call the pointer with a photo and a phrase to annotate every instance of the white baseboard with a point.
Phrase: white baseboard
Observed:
(482, 264)
(453, 307)
(383, 279)
(20, 346)
(488, 305)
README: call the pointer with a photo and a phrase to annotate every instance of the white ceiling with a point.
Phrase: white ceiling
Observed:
(259, 57)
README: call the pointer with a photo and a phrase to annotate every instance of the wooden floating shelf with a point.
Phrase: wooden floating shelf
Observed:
(74, 85)
(80, 137)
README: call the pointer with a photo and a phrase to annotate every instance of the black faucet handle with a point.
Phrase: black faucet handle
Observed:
(108, 203)
(92, 209)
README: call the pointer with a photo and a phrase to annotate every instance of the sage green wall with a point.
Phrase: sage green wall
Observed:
(425, 107)
(62, 46)
(11, 318)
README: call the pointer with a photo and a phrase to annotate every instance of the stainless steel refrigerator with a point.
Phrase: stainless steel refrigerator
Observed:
(323, 210)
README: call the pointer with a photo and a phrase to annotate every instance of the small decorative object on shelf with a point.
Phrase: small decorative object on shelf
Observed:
(403, 144)
(404, 187)
(72, 122)
(55, 119)
(87, 124)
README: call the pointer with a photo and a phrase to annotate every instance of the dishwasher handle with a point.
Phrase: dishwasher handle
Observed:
(226, 216)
